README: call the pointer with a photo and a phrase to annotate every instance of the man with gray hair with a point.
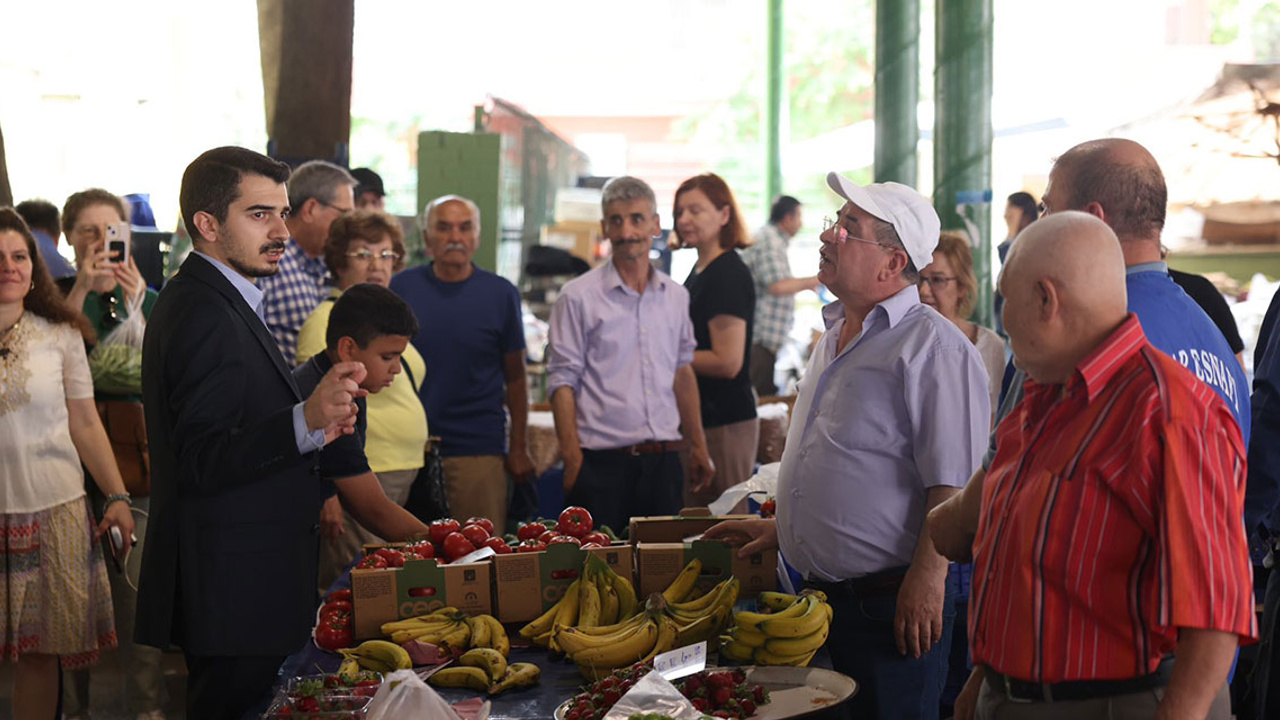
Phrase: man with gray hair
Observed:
(890, 420)
(622, 387)
(319, 192)
(471, 335)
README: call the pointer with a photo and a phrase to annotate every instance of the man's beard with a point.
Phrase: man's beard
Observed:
(253, 272)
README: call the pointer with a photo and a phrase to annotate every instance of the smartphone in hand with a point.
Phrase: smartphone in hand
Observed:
(118, 243)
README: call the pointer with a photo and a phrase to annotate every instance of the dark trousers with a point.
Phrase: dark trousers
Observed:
(1265, 680)
(229, 688)
(862, 646)
(615, 486)
(763, 361)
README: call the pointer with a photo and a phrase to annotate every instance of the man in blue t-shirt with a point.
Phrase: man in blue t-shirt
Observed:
(471, 335)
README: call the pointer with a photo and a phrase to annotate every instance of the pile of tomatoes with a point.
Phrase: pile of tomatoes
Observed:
(574, 526)
(334, 630)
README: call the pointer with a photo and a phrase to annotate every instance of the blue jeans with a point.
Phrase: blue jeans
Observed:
(862, 646)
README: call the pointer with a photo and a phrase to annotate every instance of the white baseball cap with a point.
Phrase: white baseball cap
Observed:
(909, 212)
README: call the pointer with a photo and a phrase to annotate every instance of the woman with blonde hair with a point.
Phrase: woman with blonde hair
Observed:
(949, 286)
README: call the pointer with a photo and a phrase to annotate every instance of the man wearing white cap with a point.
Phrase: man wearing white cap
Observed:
(890, 420)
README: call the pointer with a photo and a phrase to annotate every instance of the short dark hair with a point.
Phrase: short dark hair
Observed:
(40, 214)
(1132, 194)
(85, 199)
(1027, 203)
(782, 207)
(212, 182)
(366, 312)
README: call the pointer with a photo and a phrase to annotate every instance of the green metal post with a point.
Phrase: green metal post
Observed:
(962, 127)
(773, 106)
(897, 90)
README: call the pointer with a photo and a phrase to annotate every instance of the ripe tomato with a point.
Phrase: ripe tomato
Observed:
(531, 546)
(591, 546)
(499, 545)
(394, 557)
(768, 508)
(546, 536)
(373, 561)
(335, 606)
(564, 540)
(440, 529)
(343, 594)
(530, 530)
(596, 536)
(456, 545)
(575, 521)
(422, 549)
(483, 522)
(422, 591)
(333, 633)
(476, 534)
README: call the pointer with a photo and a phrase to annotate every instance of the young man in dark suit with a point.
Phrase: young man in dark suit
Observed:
(229, 571)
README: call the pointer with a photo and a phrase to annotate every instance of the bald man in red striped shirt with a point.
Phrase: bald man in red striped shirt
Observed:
(1110, 536)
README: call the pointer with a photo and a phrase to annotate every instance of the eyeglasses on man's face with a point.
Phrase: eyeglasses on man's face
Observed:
(331, 206)
(842, 234)
(365, 256)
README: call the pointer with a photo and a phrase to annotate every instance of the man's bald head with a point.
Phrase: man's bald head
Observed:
(1122, 177)
(1064, 288)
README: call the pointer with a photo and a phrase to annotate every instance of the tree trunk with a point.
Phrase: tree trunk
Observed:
(306, 77)
(6, 192)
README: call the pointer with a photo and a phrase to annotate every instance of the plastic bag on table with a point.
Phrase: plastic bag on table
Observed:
(654, 694)
(404, 695)
(116, 361)
(759, 487)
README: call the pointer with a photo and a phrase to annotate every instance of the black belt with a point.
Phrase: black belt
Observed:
(885, 582)
(1022, 691)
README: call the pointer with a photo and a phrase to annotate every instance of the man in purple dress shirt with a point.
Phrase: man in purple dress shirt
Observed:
(890, 420)
(622, 388)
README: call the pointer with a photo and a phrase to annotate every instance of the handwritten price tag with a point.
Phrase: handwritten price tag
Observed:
(682, 661)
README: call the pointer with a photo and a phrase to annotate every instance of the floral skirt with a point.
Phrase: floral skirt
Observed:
(55, 597)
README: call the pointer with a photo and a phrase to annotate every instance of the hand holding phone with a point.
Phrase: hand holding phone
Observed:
(118, 550)
(118, 243)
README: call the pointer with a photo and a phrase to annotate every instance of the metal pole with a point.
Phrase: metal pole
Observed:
(962, 128)
(773, 106)
(897, 90)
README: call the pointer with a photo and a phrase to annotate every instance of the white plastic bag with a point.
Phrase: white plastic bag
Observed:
(116, 361)
(654, 694)
(404, 695)
(760, 487)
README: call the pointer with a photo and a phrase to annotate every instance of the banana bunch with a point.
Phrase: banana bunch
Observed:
(451, 630)
(598, 597)
(792, 630)
(486, 670)
(379, 656)
(661, 627)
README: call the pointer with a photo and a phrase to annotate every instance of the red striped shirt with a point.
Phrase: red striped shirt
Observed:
(1111, 517)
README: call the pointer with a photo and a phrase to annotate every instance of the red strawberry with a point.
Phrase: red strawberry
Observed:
(720, 696)
(307, 704)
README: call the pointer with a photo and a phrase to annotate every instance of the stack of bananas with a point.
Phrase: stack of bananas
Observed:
(452, 630)
(789, 633)
(376, 655)
(486, 670)
(598, 597)
(667, 621)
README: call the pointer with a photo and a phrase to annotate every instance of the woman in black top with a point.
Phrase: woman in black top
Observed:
(722, 300)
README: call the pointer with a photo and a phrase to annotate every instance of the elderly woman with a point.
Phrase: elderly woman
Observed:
(57, 600)
(107, 292)
(367, 246)
(949, 286)
(722, 301)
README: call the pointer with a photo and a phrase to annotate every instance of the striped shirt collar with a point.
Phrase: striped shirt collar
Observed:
(1098, 367)
(894, 308)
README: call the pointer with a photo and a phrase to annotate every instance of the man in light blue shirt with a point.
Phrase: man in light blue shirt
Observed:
(891, 419)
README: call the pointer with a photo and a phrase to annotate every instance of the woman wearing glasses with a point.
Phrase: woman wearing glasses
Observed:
(367, 246)
(949, 286)
(722, 302)
(56, 604)
(107, 291)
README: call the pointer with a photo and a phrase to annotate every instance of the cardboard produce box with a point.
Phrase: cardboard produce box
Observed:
(657, 564)
(528, 584)
(675, 528)
(418, 588)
